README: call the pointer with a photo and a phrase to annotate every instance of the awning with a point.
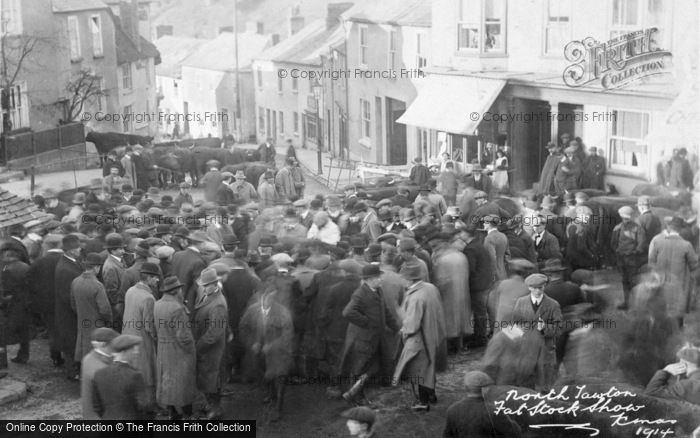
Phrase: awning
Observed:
(680, 126)
(453, 104)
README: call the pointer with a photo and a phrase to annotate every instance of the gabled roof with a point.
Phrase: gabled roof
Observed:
(127, 51)
(396, 12)
(218, 54)
(174, 50)
(61, 6)
(15, 210)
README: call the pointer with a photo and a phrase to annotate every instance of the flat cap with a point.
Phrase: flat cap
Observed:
(389, 238)
(625, 211)
(536, 280)
(124, 342)
(475, 380)
(282, 258)
(570, 150)
(165, 252)
(407, 244)
(581, 195)
(582, 276)
(361, 414)
(520, 264)
(301, 203)
(103, 334)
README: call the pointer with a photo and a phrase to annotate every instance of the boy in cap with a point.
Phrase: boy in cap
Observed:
(118, 391)
(539, 317)
(470, 417)
(100, 357)
(627, 242)
(360, 422)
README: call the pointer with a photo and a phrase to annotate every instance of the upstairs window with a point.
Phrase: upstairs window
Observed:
(74, 38)
(481, 26)
(96, 28)
(557, 31)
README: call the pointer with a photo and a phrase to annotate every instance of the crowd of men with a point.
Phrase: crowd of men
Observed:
(149, 301)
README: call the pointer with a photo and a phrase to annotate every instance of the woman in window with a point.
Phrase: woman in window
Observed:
(500, 174)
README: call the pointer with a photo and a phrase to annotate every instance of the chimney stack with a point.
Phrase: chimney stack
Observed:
(129, 15)
(335, 10)
(296, 23)
(254, 27)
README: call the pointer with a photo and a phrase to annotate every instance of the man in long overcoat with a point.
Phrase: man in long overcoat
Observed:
(139, 302)
(540, 319)
(422, 332)
(496, 244)
(671, 254)
(546, 184)
(113, 271)
(176, 357)
(451, 276)
(369, 318)
(568, 172)
(67, 269)
(209, 325)
(14, 299)
(268, 331)
(480, 282)
(89, 301)
(43, 291)
(284, 180)
(187, 265)
(99, 357)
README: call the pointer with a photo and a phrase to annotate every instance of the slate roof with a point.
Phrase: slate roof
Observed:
(15, 210)
(218, 54)
(60, 6)
(396, 12)
(174, 50)
(126, 48)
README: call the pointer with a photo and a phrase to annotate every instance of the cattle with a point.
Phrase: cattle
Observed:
(209, 142)
(107, 141)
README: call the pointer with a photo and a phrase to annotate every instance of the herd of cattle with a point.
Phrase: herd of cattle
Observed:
(178, 158)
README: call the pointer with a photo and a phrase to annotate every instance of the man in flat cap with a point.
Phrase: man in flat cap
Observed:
(369, 317)
(284, 180)
(420, 174)
(650, 223)
(472, 417)
(139, 302)
(568, 172)
(118, 391)
(540, 318)
(422, 334)
(68, 268)
(496, 244)
(99, 357)
(90, 303)
(627, 242)
(267, 191)
(211, 180)
(176, 357)
(360, 422)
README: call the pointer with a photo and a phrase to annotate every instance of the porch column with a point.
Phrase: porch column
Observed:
(554, 110)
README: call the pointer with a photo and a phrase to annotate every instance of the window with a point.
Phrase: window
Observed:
(391, 58)
(261, 120)
(11, 22)
(295, 85)
(311, 127)
(481, 26)
(280, 123)
(126, 76)
(18, 106)
(259, 75)
(631, 15)
(366, 121)
(127, 118)
(557, 32)
(627, 134)
(362, 34)
(280, 86)
(421, 59)
(96, 28)
(74, 38)
(296, 123)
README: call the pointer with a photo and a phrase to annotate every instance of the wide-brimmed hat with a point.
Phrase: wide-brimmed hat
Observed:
(553, 265)
(369, 271)
(114, 240)
(150, 269)
(208, 276)
(170, 283)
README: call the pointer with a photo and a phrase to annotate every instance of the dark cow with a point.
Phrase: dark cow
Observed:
(106, 141)
(252, 171)
(209, 142)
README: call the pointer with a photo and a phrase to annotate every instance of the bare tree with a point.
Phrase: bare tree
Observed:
(15, 51)
(82, 89)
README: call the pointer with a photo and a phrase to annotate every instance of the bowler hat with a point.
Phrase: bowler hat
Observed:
(93, 259)
(230, 239)
(70, 242)
(142, 249)
(369, 271)
(520, 264)
(114, 240)
(170, 283)
(150, 269)
(268, 241)
(124, 342)
(103, 334)
(208, 276)
(374, 250)
(361, 414)
(536, 280)
(407, 244)
(127, 188)
(182, 232)
(359, 207)
(163, 229)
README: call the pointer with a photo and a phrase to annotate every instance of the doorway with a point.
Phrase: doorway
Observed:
(396, 132)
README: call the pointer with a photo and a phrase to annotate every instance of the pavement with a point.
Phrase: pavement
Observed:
(334, 174)
(56, 181)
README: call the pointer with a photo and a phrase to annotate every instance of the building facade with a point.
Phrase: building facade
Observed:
(500, 75)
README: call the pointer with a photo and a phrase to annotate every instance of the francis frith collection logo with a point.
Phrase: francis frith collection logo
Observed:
(616, 62)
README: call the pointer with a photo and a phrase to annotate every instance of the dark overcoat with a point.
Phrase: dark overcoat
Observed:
(14, 283)
(91, 306)
(274, 336)
(187, 265)
(66, 322)
(368, 317)
(118, 393)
